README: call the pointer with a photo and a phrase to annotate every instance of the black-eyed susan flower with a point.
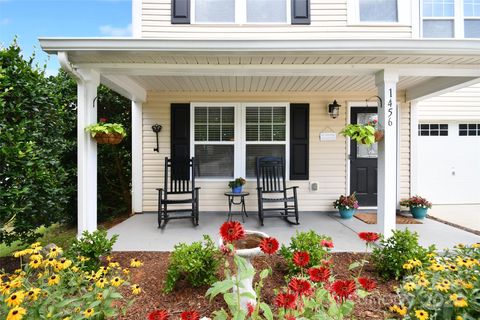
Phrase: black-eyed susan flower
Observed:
(476, 245)
(407, 266)
(16, 313)
(436, 267)
(33, 293)
(15, 299)
(409, 286)
(135, 263)
(126, 271)
(5, 289)
(136, 289)
(99, 296)
(53, 280)
(50, 262)
(401, 310)
(114, 265)
(442, 287)
(64, 263)
(55, 252)
(88, 313)
(66, 318)
(423, 282)
(101, 283)
(35, 245)
(75, 269)
(458, 301)
(116, 281)
(35, 256)
(421, 314)
(34, 264)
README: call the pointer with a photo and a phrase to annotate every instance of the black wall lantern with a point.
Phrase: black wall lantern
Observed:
(156, 128)
(334, 109)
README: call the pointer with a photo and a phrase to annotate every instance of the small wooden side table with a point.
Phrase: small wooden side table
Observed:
(231, 200)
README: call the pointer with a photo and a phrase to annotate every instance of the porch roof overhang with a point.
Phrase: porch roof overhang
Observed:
(132, 67)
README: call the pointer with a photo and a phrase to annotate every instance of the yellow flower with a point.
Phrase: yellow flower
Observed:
(16, 283)
(33, 293)
(50, 262)
(36, 256)
(66, 318)
(15, 299)
(109, 258)
(476, 245)
(467, 285)
(452, 267)
(431, 254)
(116, 281)
(53, 280)
(459, 302)
(83, 259)
(459, 246)
(436, 267)
(64, 264)
(442, 287)
(100, 296)
(407, 266)
(35, 263)
(101, 283)
(22, 253)
(423, 282)
(135, 263)
(136, 289)
(409, 286)
(114, 265)
(126, 271)
(88, 313)
(16, 313)
(5, 289)
(35, 245)
(421, 314)
(459, 318)
(416, 262)
(54, 252)
(463, 262)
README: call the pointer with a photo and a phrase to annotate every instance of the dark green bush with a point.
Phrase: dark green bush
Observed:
(93, 246)
(310, 242)
(395, 251)
(198, 263)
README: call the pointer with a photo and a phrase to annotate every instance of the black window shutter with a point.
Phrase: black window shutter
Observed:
(180, 11)
(299, 135)
(180, 138)
(300, 11)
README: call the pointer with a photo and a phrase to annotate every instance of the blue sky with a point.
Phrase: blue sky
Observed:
(31, 19)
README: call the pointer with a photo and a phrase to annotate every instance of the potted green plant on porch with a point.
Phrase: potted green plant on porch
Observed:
(237, 184)
(363, 133)
(418, 206)
(107, 133)
(346, 205)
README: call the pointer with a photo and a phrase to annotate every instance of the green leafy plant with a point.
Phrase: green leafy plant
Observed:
(310, 242)
(238, 182)
(416, 202)
(104, 127)
(397, 250)
(444, 288)
(92, 245)
(198, 263)
(361, 133)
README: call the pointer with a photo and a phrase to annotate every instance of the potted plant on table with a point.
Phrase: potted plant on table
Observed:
(418, 206)
(363, 133)
(346, 205)
(237, 184)
(107, 133)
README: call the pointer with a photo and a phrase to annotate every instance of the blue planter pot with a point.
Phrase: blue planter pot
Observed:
(418, 212)
(237, 189)
(346, 213)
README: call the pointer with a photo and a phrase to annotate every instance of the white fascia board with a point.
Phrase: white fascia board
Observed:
(124, 86)
(331, 46)
(438, 86)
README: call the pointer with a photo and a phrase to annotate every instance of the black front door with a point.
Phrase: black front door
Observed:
(363, 161)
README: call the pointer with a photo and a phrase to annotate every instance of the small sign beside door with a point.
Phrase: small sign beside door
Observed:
(328, 136)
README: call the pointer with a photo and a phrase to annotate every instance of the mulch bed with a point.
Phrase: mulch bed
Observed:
(152, 275)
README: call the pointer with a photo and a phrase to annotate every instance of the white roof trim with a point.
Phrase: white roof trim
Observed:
(332, 46)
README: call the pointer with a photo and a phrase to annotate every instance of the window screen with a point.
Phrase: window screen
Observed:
(253, 151)
(265, 123)
(262, 11)
(378, 10)
(214, 124)
(214, 160)
(432, 129)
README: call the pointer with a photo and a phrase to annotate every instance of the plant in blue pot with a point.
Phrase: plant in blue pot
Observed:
(346, 205)
(418, 206)
(237, 184)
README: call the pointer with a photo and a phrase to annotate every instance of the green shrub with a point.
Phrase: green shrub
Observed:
(198, 263)
(92, 246)
(310, 242)
(395, 251)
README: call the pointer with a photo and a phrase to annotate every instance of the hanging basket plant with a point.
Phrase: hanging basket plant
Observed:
(363, 133)
(107, 133)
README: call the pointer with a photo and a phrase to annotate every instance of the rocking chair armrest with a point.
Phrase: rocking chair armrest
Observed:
(294, 187)
(198, 188)
(259, 188)
(159, 189)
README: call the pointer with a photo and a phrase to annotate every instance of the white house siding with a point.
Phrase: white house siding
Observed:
(328, 160)
(328, 20)
(404, 170)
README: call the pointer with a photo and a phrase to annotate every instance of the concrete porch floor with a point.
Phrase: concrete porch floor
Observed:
(140, 232)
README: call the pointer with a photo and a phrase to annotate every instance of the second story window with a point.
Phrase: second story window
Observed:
(240, 11)
(378, 10)
(471, 11)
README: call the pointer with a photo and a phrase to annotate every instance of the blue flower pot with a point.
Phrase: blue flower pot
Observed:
(418, 212)
(346, 213)
(237, 189)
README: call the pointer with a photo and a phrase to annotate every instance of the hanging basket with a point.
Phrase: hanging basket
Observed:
(108, 138)
(379, 135)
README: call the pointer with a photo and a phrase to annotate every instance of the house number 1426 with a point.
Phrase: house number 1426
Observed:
(390, 108)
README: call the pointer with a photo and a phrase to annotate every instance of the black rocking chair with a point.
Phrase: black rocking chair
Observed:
(179, 180)
(271, 188)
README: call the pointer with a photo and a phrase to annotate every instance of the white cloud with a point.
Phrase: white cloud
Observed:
(108, 30)
(5, 21)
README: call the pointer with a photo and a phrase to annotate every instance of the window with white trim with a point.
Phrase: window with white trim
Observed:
(451, 18)
(433, 129)
(240, 11)
(227, 138)
(469, 129)
(379, 12)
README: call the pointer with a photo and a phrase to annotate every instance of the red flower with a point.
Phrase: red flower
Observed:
(300, 286)
(320, 274)
(289, 317)
(301, 258)
(103, 119)
(369, 236)
(250, 308)
(327, 262)
(286, 300)
(343, 289)
(367, 284)
(190, 315)
(269, 245)
(231, 231)
(327, 243)
(158, 315)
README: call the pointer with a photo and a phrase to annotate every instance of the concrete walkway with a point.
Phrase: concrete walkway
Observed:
(140, 232)
(465, 215)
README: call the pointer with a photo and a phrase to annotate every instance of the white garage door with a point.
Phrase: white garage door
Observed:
(449, 162)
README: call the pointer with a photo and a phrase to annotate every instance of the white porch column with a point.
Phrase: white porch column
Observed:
(137, 160)
(413, 147)
(87, 151)
(386, 82)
